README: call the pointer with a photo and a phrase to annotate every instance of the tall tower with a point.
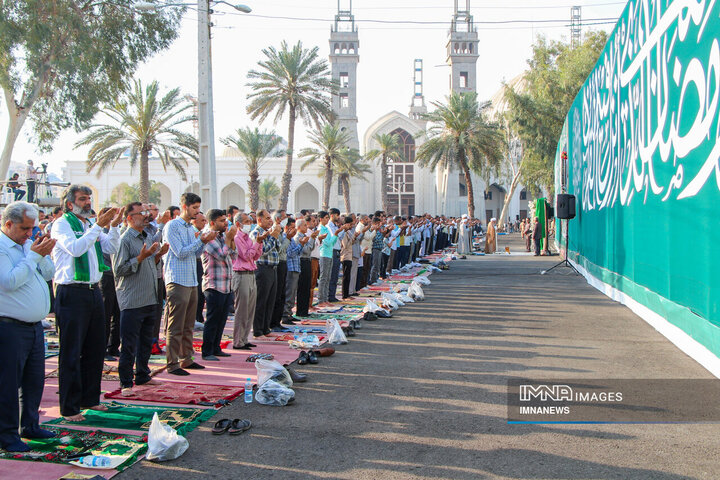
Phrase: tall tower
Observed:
(462, 50)
(575, 29)
(344, 59)
(417, 106)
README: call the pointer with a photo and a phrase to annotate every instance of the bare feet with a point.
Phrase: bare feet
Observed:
(99, 408)
(75, 418)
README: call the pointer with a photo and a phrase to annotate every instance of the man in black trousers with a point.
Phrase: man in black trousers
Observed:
(79, 309)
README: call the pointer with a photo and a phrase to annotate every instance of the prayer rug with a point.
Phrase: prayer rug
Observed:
(122, 416)
(183, 393)
(75, 443)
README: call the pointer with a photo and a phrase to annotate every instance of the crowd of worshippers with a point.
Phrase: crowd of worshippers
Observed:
(113, 278)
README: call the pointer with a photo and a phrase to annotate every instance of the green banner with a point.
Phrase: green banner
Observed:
(643, 141)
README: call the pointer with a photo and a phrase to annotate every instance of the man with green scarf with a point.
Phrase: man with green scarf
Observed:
(79, 311)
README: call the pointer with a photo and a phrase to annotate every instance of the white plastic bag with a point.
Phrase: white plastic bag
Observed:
(416, 292)
(400, 287)
(335, 333)
(272, 370)
(406, 299)
(394, 297)
(422, 280)
(164, 443)
(370, 306)
(387, 303)
(274, 394)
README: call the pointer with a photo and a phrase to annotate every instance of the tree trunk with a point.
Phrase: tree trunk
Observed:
(468, 182)
(327, 183)
(287, 176)
(508, 197)
(383, 184)
(144, 177)
(254, 188)
(346, 192)
(16, 120)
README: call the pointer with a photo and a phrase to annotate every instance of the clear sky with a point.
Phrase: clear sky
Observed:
(387, 51)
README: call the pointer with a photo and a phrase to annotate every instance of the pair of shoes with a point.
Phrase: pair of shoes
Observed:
(194, 366)
(307, 357)
(251, 345)
(244, 347)
(179, 372)
(211, 358)
(370, 316)
(222, 354)
(296, 377)
(349, 331)
(38, 433)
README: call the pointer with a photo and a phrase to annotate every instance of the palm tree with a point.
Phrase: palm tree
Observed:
(330, 145)
(350, 165)
(255, 146)
(462, 137)
(389, 148)
(143, 123)
(293, 81)
(268, 192)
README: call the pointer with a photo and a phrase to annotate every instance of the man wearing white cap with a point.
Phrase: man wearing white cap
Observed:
(463, 244)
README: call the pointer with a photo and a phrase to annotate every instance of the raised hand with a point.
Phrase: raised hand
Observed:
(209, 236)
(107, 217)
(165, 217)
(43, 245)
(118, 218)
(163, 250)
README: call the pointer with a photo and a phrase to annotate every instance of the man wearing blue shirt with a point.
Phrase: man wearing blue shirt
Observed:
(25, 269)
(181, 284)
(334, 226)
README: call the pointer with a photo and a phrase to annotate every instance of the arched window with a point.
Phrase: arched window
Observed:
(470, 47)
(351, 50)
(336, 49)
(344, 49)
(401, 177)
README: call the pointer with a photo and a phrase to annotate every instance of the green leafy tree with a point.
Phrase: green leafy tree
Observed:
(537, 112)
(330, 145)
(295, 82)
(61, 59)
(348, 166)
(141, 123)
(389, 148)
(267, 192)
(124, 194)
(461, 137)
(255, 146)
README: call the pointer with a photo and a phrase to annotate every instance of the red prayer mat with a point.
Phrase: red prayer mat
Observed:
(197, 345)
(183, 393)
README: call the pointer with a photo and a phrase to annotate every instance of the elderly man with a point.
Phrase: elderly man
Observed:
(135, 272)
(243, 281)
(79, 310)
(25, 268)
(181, 284)
(217, 260)
(265, 275)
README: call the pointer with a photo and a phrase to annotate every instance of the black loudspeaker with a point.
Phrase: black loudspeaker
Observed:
(565, 206)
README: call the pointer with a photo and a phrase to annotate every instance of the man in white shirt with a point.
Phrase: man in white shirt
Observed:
(25, 269)
(79, 311)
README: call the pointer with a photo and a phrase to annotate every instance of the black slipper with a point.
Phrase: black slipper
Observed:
(239, 426)
(221, 426)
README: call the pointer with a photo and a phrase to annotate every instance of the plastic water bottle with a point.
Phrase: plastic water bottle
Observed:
(248, 391)
(95, 461)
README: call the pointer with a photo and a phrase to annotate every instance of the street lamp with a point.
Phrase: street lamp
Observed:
(206, 123)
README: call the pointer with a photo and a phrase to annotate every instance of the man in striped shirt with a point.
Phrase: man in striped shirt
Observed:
(217, 259)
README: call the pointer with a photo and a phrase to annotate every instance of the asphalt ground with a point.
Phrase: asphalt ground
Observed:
(423, 395)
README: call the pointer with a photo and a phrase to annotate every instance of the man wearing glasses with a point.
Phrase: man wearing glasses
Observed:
(135, 271)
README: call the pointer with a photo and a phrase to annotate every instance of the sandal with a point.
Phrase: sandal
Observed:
(221, 426)
(239, 426)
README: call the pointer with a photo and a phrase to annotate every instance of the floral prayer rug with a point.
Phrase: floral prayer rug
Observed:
(182, 393)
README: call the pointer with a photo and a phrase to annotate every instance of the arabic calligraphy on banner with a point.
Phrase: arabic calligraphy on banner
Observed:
(647, 123)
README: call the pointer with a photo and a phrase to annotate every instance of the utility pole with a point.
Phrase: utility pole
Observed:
(206, 130)
(575, 28)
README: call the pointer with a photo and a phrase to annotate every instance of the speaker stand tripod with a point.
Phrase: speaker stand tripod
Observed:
(565, 262)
